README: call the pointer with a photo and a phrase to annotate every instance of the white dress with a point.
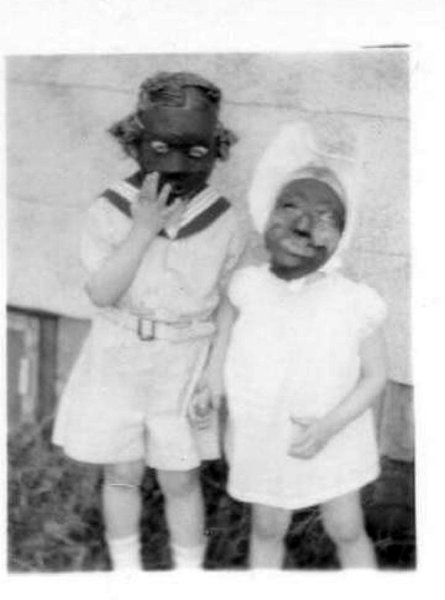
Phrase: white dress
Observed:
(295, 352)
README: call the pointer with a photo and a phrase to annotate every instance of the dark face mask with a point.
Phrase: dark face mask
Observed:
(304, 228)
(179, 143)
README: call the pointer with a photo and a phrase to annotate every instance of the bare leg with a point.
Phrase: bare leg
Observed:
(269, 526)
(122, 512)
(185, 515)
(343, 521)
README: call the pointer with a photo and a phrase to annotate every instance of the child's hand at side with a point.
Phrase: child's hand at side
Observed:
(309, 437)
(213, 379)
(201, 408)
(206, 399)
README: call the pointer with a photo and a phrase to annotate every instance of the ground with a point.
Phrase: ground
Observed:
(55, 521)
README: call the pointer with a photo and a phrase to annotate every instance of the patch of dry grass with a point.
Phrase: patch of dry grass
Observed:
(55, 521)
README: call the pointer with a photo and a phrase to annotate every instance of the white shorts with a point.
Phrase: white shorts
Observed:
(127, 400)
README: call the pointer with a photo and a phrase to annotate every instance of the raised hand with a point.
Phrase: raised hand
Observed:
(151, 212)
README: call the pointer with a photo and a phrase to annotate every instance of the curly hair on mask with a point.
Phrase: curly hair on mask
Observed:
(170, 89)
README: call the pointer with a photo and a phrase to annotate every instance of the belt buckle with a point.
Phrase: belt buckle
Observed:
(146, 329)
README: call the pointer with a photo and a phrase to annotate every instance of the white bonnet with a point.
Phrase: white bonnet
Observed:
(325, 152)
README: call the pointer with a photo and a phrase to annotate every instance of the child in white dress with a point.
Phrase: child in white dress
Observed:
(157, 248)
(305, 359)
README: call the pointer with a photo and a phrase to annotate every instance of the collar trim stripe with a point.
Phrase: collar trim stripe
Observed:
(205, 208)
(118, 202)
(202, 201)
(205, 218)
(128, 191)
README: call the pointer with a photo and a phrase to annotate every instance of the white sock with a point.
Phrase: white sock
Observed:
(188, 557)
(125, 553)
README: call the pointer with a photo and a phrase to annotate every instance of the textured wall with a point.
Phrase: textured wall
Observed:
(59, 156)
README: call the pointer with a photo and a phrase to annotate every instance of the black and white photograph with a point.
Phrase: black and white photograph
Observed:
(209, 312)
(212, 361)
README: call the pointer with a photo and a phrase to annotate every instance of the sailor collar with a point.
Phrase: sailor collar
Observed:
(201, 211)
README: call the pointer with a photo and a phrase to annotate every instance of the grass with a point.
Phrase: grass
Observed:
(55, 521)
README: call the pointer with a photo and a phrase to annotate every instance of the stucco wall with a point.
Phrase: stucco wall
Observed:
(60, 157)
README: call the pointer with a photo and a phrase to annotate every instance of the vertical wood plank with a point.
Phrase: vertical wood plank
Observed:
(48, 366)
(396, 426)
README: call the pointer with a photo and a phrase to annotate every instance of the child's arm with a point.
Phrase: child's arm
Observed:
(315, 434)
(215, 368)
(212, 385)
(150, 215)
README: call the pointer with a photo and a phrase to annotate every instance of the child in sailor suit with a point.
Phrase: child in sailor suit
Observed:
(158, 248)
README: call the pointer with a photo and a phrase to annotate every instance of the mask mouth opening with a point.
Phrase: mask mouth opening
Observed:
(182, 184)
(302, 233)
(178, 187)
(300, 247)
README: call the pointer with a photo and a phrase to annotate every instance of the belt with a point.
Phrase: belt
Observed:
(148, 329)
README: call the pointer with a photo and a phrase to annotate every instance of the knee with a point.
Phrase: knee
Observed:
(269, 524)
(178, 484)
(129, 473)
(344, 531)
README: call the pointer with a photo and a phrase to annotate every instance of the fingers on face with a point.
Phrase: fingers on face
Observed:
(164, 194)
(176, 209)
(149, 189)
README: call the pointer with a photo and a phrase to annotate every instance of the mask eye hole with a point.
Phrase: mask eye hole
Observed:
(198, 151)
(327, 219)
(159, 147)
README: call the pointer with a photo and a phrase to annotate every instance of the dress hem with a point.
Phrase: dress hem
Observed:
(306, 503)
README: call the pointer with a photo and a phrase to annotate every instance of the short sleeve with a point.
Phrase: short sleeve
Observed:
(103, 230)
(372, 311)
